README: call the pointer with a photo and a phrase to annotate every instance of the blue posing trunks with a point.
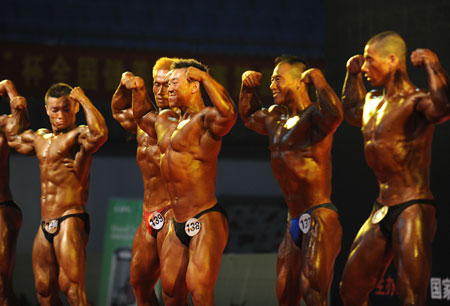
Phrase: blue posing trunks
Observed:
(296, 233)
(54, 225)
(180, 227)
(391, 216)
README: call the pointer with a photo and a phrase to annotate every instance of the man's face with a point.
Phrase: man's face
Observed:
(160, 88)
(375, 67)
(179, 88)
(62, 113)
(282, 83)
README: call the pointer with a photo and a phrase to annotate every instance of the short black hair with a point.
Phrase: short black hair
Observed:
(298, 64)
(389, 42)
(290, 59)
(186, 63)
(58, 90)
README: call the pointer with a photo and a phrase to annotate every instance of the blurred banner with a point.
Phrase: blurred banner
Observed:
(34, 67)
(122, 221)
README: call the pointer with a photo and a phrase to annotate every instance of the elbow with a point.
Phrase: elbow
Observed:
(103, 137)
(440, 115)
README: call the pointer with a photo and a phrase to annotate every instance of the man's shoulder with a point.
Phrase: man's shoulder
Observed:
(419, 93)
(43, 132)
(167, 113)
(374, 94)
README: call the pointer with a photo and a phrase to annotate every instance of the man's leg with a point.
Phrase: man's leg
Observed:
(369, 258)
(69, 245)
(173, 260)
(205, 254)
(45, 269)
(289, 266)
(322, 245)
(144, 270)
(10, 223)
(412, 236)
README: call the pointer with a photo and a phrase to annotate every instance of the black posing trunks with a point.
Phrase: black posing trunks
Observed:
(11, 204)
(294, 228)
(180, 227)
(49, 236)
(388, 221)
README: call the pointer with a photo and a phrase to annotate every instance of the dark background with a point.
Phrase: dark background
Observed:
(231, 37)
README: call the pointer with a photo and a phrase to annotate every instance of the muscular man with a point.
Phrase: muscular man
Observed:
(156, 207)
(10, 213)
(65, 156)
(300, 135)
(397, 123)
(189, 139)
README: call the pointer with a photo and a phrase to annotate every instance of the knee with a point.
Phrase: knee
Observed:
(201, 289)
(168, 286)
(76, 294)
(134, 277)
(43, 285)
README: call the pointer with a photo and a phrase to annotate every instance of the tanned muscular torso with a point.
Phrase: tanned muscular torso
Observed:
(397, 142)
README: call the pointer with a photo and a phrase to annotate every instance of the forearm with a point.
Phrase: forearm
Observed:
(121, 100)
(144, 111)
(142, 105)
(439, 87)
(7, 86)
(353, 95)
(121, 109)
(247, 105)
(329, 102)
(94, 119)
(18, 119)
(219, 96)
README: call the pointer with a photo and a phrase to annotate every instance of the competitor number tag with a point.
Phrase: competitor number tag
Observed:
(304, 223)
(192, 227)
(156, 220)
(52, 226)
(379, 214)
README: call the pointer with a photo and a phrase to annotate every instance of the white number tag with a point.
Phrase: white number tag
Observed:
(52, 226)
(304, 223)
(192, 227)
(156, 220)
(379, 214)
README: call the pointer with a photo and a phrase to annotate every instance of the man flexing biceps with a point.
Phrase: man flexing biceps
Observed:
(397, 123)
(157, 214)
(10, 213)
(189, 138)
(300, 135)
(65, 156)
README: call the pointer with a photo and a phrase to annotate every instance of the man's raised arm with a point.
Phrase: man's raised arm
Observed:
(251, 110)
(330, 105)
(222, 120)
(15, 124)
(436, 109)
(354, 91)
(97, 132)
(121, 104)
(144, 111)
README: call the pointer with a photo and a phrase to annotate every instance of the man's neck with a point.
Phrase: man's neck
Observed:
(194, 106)
(59, 132)
(398, 84)
(298, 104)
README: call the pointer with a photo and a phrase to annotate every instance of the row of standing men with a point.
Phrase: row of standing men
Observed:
(184, 230)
